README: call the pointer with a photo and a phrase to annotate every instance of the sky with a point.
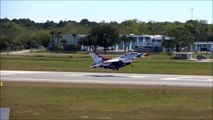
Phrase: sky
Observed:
(108, 10)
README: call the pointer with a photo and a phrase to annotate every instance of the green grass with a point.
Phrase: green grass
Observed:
(74, 101)
(154, 64)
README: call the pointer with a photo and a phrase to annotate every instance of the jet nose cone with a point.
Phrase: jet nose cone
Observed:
(142, 54)
(139, 54)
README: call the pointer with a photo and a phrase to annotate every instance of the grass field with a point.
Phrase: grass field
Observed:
(74, 101)
(154, 64)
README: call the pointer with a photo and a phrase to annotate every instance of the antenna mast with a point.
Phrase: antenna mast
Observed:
(192, 13)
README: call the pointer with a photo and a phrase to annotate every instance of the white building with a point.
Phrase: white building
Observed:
(143, 42)
(203, 46)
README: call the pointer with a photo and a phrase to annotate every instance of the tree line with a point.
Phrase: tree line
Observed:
(25, 33)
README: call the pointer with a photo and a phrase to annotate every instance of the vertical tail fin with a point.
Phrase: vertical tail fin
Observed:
(96, 58)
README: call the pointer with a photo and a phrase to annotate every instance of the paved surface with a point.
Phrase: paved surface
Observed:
(203, 60)
(21, 51)
(16, 52)
(107, 78)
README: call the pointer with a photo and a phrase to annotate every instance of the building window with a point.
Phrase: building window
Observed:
(147, 40)
(198, 46)
(158, 40)
(140, 39)
(153, 40)
(209, 46)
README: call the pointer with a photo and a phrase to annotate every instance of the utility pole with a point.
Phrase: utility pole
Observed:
(192, 13)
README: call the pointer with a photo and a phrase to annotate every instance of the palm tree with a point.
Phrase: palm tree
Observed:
(130, 39)
(58, 36)
(74, 36)
(126, 40)
(52, 33)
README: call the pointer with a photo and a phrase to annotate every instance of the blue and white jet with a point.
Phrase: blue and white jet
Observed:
(114, 63)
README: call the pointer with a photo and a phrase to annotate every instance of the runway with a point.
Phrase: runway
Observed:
(107, 78)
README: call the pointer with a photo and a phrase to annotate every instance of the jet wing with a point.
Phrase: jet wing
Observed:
(112, 60)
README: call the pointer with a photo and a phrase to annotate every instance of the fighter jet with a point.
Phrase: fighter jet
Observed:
(114, 63)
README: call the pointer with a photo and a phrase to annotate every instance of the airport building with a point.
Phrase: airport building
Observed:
(203, 46)
(144, 43)
(140, 43)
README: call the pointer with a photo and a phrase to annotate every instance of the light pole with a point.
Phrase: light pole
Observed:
(192, 13)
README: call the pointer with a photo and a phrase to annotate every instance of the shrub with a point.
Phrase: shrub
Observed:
(72, 47)
(56, 48)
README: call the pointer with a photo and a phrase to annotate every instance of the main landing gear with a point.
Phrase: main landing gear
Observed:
(115, 69)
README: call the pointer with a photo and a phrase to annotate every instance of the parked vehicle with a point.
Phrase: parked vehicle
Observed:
(201, 57)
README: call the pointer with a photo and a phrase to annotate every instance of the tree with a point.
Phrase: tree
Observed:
(90, 41)
(44, 38)
(106, 35)
(182, 38)
(129, 27)
(84, 22)
(84, 41)
(199, 29)
(25, 22)
(168, 45)
(49, 24)
(21, 31)
(31, 42)
(4, 44)
(126, 40)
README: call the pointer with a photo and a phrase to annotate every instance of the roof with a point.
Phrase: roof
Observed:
(183, 52)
